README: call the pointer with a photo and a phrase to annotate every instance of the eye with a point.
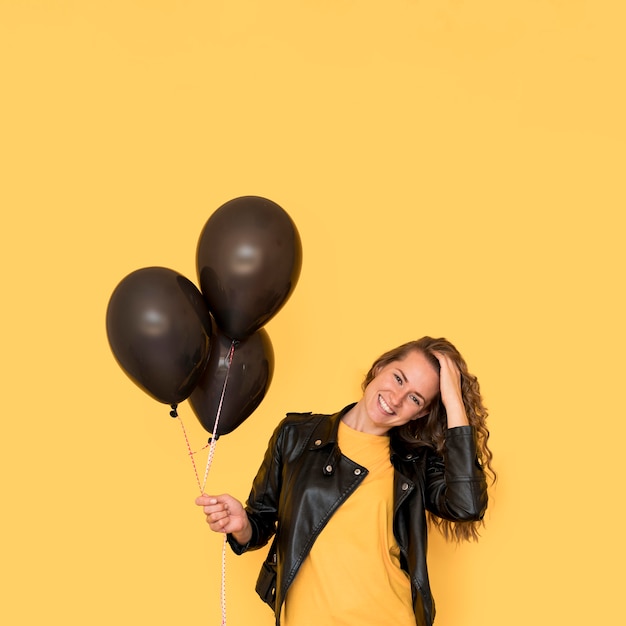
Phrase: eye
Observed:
(416, 400)
(398, 379)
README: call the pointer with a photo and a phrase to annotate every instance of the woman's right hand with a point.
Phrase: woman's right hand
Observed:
(225, 514)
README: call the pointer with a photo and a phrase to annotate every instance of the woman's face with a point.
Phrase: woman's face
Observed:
(401, 391)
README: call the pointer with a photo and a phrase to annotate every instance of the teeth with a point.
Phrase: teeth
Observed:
(385, 406)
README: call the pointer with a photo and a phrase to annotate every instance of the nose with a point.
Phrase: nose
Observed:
(396, 399)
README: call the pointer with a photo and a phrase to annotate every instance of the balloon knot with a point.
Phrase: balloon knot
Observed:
(174, 412)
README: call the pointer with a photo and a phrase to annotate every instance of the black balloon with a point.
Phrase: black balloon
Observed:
(159, 329)
(248, 258)
(249, 378)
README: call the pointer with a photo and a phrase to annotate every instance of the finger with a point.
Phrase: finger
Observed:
(441, 357)
(215, 516)
(203, 500)
(446, 362)
(220, 525)
(214, 509)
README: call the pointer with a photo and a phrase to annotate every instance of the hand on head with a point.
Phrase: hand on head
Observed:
(450, 389)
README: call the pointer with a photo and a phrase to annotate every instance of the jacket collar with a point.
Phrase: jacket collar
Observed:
(326, 429)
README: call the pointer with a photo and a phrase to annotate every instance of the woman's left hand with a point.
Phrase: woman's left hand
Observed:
(450, 389)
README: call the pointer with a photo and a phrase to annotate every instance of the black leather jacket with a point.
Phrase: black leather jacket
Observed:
(304, 479)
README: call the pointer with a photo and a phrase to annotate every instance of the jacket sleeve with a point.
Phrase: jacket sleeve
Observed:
(456, 488)
(262, 503)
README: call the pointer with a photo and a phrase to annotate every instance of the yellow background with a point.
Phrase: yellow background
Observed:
(454, 168)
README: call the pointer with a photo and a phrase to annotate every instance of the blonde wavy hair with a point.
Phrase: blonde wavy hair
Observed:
(430, 430)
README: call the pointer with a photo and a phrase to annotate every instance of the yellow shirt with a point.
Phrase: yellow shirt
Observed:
(352, 576)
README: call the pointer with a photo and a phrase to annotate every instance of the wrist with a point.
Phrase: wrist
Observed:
(457, 418)
(244, 535)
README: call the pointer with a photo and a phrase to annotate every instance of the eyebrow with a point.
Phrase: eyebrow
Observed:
(406, 380)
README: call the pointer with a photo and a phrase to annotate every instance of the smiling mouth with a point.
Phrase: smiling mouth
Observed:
(384, 406)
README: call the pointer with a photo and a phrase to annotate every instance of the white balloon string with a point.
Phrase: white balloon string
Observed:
(223, 591)
(202, 485)
(217, 417)
(206, 475)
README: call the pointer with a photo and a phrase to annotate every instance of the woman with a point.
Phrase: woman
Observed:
(347, 495)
